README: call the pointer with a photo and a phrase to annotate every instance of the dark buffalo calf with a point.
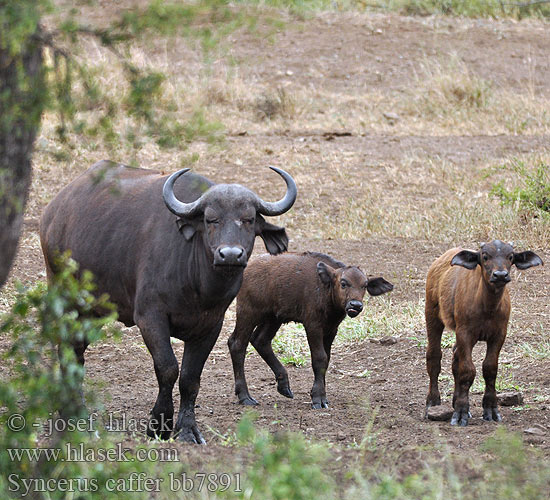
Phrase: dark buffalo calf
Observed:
(309, 288)
(466, 292)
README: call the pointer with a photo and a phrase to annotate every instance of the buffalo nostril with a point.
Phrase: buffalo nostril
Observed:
(230, 256)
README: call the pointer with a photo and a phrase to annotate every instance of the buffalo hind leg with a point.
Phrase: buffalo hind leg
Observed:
(434, 329)
(261, 340)
(195, 354)
(490, 368)
(237, 343)
(156, 335)
(319, 363)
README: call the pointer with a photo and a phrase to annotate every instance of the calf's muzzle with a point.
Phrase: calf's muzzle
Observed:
(353, 308)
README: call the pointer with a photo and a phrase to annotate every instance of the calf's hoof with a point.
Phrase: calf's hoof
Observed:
(248, 401)
(190, 434)
(285, 391)
(460, 418)
(492, 415)
(319, 405)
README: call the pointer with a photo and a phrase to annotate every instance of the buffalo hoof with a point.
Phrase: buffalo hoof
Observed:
(285, 391)
(320, 405)
(248, 401)
(190, 434)
(460, 418)
(492, 415)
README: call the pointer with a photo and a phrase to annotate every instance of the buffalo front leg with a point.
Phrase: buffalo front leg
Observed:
(319, 363)
(237, 343)
(434, 329)
(156, 334)
(464, 372)
(195, 353)
(490, 368)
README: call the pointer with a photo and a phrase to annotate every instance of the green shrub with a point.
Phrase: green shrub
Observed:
(533, 193)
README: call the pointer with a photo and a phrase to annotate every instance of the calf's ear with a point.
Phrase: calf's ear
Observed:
(378, 286)
(466, 258)
(525, 260)
(275, 237)
(325, 273)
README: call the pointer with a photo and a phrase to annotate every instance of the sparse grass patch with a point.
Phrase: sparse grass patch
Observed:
(451, 86)
(290, 344)
(380, 318)
(505, 381)
(540, 349)
(467, 8)
(277, 103)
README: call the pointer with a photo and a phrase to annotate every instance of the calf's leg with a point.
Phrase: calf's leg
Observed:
(195, 353)
(319, 363)
(464, 372)
(434, 327)
(490, 368)
(261, 340)
(238, 342)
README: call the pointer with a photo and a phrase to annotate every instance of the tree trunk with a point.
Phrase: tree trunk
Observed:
(22, 98)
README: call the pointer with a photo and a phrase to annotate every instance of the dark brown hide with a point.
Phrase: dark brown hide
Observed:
(309, 288)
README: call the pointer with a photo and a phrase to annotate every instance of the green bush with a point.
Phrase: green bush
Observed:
(533, 193)
(283, 465)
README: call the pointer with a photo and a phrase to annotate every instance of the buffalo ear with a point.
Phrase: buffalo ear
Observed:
(325, 273)
(275, 237)
(378, 286)
(525, 260)
(188, 227)
(466, 258)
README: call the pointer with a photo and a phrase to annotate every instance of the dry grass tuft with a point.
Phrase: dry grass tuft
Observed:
(275, 103)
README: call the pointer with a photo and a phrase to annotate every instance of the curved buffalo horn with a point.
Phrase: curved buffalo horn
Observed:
(281, 206)
(174, 205)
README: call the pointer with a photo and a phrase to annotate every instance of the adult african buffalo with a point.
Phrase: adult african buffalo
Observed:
(170, 276)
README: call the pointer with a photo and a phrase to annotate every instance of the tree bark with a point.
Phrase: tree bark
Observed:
(23, 96)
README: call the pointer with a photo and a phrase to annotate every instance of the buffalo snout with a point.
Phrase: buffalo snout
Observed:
(353, 308)
(230, 256)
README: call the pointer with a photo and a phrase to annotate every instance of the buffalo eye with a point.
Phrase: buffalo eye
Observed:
(212, 221)
(485, 257)
(511, 257)
(344, 283)
(248, 221)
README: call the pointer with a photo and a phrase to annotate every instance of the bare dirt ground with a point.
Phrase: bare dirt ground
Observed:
(338, 58)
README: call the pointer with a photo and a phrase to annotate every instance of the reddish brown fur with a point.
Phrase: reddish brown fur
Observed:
(307, 288)
(475, 303)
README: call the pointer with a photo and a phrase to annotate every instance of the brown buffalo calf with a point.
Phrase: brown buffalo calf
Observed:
(466, 292)
(309, 288)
